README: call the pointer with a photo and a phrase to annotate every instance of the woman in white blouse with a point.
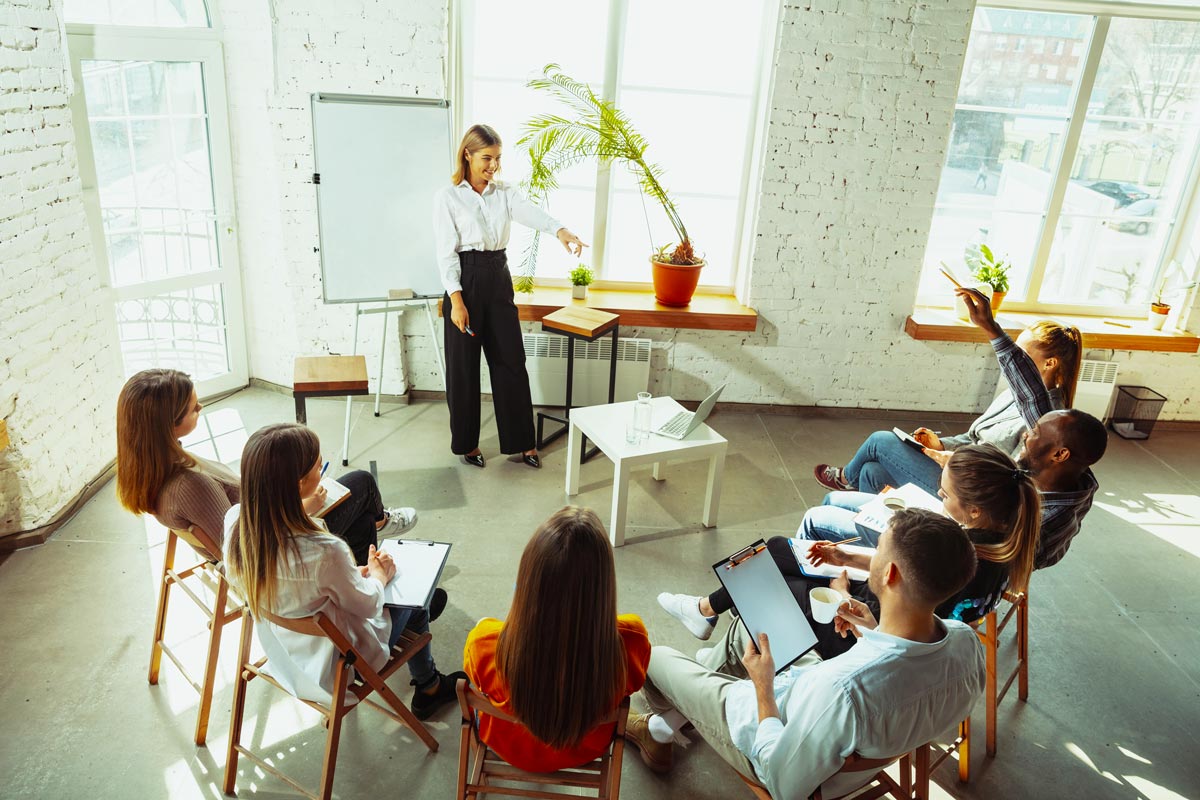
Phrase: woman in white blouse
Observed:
(285, 562)
(472, 218)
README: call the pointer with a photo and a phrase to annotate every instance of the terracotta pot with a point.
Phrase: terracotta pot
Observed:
(579, 292)
(674, 284)
(1158, 315)
(997, 299)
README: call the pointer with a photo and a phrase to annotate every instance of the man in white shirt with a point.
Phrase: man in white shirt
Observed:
(908, 679)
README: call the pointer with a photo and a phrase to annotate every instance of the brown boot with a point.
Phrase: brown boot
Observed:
(659, 757)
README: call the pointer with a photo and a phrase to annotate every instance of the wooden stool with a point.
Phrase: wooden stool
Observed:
(329, 376)
(586, 325)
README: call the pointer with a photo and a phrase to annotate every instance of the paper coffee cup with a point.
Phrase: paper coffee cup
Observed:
(824, 603)
(894, 502)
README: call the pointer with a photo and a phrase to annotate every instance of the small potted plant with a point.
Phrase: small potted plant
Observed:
(1159, 309)
(581, 278)
(989, 270)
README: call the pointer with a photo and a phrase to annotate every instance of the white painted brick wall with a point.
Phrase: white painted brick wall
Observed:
(59, 372)
(862, 103)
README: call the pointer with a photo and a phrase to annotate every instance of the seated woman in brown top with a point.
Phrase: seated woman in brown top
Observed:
(155, 475)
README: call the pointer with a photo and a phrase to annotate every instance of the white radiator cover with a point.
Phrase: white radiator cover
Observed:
(1094, 391)
(546, 361)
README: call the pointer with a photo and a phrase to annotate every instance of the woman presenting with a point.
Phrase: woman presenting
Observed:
(471, 222)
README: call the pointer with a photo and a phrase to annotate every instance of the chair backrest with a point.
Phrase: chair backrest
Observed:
(853, 763)
(200, 541)
(471, 700)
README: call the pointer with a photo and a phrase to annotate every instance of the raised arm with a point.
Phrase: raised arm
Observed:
(530, 215)
(1029, 390)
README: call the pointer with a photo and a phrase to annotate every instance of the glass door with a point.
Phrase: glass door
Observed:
(154, 158)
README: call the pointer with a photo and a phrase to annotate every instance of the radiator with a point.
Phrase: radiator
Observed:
(1094, 391)
(546, 360)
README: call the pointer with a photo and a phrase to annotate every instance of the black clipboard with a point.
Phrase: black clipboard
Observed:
(419, 566)
(766, 604)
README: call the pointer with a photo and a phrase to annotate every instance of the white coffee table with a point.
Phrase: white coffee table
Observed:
(605, 425)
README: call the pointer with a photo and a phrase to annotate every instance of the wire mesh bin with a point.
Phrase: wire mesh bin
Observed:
(1136, 411)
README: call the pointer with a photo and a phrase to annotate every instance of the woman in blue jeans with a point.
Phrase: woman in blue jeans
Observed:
(883, 460)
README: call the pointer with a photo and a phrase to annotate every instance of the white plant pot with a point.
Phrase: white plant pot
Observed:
(960, 308)
(579, 292)
(1156, 320)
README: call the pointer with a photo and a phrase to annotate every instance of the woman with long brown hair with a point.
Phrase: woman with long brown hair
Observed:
(883, 460)
(471, 221)
(563, 659)
(982, 489)
(155, 475)
(285, 562)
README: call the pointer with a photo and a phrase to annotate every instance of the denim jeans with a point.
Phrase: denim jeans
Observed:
(884, 460)
(421, 666)
(834, 519)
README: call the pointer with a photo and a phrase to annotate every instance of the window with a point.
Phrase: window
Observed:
(1076, 178)
(700, 115)
(156, 13)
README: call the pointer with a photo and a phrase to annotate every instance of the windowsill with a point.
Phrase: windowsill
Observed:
(941, 325)
(637, 308)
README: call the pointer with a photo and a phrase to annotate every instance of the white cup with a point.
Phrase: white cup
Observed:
(824, 603)
(894, 502)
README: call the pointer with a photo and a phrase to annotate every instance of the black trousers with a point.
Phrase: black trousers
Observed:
(354, 519)
(487, 291)
(829, 642)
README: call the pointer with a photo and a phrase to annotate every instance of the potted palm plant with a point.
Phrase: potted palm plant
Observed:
(581, 278)
(594, 128)
(988, 269)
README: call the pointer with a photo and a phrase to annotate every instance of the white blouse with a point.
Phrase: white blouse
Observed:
(323, 579)
(464, 219)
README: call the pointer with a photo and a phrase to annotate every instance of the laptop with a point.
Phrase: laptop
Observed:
(683, 423)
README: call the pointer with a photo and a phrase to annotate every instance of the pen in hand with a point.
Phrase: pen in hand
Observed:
(467, 328)
(324, 468)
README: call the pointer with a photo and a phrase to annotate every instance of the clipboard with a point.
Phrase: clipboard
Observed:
(766, 604)
(419, 566)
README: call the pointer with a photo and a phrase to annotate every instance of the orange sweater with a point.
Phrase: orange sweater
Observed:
(514, 743)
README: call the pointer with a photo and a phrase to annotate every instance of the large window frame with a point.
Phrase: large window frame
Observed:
(461, 64)
(87, 42)
(1103, 12)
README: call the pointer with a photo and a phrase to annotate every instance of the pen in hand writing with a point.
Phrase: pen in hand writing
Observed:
(324, 468)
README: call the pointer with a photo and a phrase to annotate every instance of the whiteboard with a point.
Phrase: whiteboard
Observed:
(379, 162)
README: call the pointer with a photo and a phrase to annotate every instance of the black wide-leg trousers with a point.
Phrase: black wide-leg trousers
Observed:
(487, 291)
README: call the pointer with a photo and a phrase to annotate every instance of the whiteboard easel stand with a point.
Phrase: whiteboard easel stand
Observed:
(387, 308)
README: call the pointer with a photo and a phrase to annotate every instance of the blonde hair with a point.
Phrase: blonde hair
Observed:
(477, 137)
(560, 651)
(151, 404)
(272, 515)
(1065, 343)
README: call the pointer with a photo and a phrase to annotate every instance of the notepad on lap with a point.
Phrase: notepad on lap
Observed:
(419, 567)
(908, 439)
(876, 514)
(335, 494)
(802, 547)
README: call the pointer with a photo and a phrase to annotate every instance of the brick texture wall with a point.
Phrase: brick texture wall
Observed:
(59, 373)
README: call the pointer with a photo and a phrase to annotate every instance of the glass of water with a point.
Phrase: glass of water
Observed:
(641, 416)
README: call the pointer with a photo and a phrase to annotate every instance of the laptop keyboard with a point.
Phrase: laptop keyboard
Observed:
(677, 424)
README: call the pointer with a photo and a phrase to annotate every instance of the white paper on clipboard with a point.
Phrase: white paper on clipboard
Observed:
(766, 604)
(419, 567)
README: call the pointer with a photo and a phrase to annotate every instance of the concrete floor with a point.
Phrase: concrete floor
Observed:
(1115, 684)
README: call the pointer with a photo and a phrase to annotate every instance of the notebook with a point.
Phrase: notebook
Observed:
(801, 548)
(336, 493)
(419, 566)
(908, 439)
(876, 514)
(765, 603)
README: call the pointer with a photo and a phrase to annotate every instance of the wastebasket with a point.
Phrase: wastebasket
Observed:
(1136, 411)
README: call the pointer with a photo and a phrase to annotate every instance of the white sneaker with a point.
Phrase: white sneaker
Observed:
(400, 521)
(686, 609)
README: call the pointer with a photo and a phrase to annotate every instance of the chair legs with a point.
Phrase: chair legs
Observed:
(239, 705)
(991, 641)
(160, 616)
(333, 736)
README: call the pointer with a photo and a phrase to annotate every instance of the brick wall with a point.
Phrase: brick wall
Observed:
(862, 101)
(59, 374)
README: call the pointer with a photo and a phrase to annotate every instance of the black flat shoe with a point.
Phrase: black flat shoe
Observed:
(437, 603)
(475, 460)
(532, 461)
(425, 706)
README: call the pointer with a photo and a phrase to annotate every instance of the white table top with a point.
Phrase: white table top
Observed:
(605, 425)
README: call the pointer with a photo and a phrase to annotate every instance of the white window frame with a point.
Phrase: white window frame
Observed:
(460, 70)
(1173, 245)
(203, 45)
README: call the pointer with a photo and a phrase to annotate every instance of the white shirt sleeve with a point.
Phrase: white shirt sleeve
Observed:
(530, 215)
(445, 244)
(341, 581)
(792, 760)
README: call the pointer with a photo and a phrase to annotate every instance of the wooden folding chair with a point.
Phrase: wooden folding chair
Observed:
(989, 630)
(479, 766)
(913, 783)
(354, 676)
(209, 573)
